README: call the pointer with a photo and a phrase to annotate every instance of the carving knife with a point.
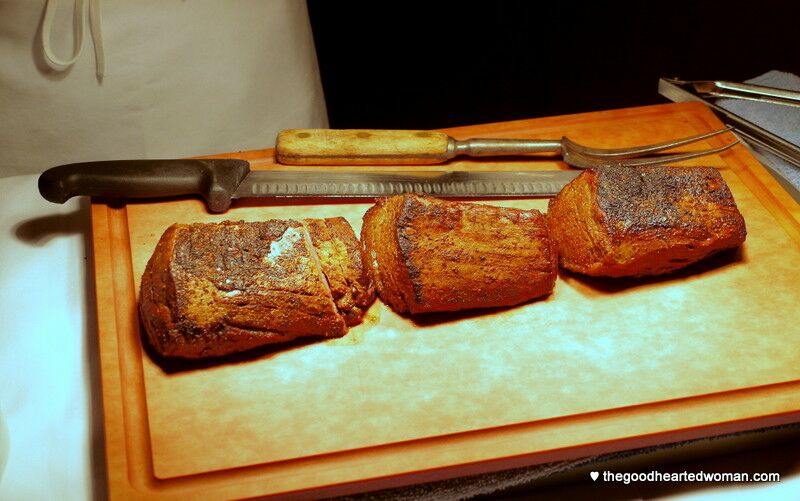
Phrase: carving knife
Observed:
(219, 181)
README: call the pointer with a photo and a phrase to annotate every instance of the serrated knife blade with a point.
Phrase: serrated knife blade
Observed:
(379, 184)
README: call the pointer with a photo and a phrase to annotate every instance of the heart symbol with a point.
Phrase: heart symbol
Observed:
(594, 475)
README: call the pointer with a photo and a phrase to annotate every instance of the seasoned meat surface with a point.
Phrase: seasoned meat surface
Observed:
(427, 255)
(643, 221)
(215, 289)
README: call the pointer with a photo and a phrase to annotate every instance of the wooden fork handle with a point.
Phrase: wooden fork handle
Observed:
(363, 147)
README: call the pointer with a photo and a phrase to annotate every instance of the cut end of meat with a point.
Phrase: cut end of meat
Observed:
(339, 254)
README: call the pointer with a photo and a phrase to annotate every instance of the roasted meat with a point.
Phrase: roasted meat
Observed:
(624, 221)
(426, 255)
(215, 289)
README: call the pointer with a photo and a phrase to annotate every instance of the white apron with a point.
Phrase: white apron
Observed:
(179, 78)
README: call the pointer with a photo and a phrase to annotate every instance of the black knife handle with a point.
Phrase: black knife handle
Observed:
(214, 180)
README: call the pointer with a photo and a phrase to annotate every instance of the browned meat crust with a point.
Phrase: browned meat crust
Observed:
(643, 221)
(215, 289)
(426, 255)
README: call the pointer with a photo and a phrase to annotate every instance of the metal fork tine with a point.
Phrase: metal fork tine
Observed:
(653, 148)
(662, 159)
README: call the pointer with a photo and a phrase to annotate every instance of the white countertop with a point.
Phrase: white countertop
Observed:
(47, 348)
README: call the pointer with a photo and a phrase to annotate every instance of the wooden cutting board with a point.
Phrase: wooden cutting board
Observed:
(599, 366)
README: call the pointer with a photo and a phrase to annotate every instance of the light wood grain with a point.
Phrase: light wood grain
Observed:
(596, 367)
(361, 147)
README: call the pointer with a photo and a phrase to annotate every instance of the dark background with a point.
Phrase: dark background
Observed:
(423, 65)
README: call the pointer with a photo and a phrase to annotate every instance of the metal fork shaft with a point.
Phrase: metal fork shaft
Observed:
(479, 147)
